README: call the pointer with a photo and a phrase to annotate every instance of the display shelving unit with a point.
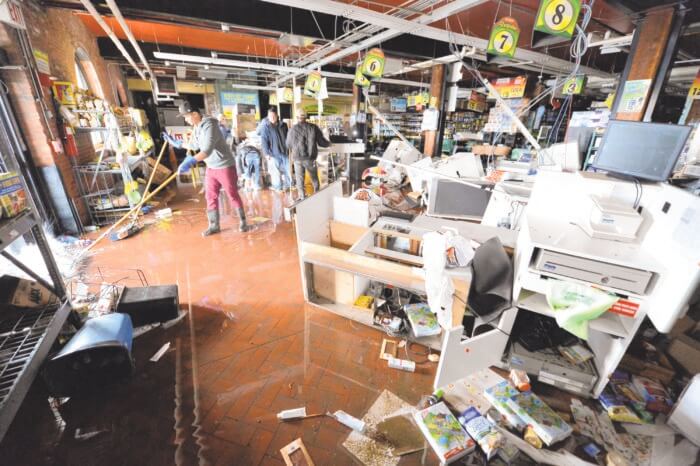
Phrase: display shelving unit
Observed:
(26, 335)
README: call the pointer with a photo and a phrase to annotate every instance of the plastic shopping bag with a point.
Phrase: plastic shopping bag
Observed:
(575, 305)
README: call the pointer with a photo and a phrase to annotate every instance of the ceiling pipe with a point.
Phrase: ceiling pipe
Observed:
(343, 9)
(127, 30)
(105, 27)
(267, 66)
(401, 26)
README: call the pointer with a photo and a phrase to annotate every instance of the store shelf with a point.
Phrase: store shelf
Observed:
(25, 339)
(81, 129)
(13, 228)
(609, 322)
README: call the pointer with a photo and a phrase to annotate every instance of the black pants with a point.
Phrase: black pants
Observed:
(300, 166)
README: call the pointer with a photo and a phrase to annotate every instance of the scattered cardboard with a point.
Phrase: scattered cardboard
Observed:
(296, 454)
(401, 433)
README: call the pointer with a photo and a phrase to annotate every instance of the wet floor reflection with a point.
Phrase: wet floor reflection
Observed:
(247, 349)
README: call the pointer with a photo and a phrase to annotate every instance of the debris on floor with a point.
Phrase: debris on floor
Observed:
(370, 448)
(159, 354)
(126, 231)
(296, 454)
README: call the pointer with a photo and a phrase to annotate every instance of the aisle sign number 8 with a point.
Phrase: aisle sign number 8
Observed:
(558, 15)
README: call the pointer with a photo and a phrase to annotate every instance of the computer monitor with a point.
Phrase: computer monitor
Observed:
(646, 151)
(453, 199)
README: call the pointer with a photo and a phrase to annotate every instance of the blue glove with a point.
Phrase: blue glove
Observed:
(172, 141)
(187, 164)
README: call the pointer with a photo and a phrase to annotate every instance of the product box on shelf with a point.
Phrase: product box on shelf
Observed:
(13, 198)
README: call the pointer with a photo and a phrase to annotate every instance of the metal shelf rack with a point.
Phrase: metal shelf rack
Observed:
(26, 335)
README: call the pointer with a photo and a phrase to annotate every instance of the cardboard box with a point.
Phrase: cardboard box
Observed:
(638, 366)
(162, 172)
(686, 352)
(21, 292)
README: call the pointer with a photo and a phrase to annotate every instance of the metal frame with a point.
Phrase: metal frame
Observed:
(27, 336)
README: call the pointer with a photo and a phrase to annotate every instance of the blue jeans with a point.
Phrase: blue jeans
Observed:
(252, 169)
(280, 173)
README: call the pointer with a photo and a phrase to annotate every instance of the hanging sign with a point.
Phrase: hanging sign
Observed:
(323, 93)
(373, 64)
(313, 84)
(510, 88)
(476, 102)
(360, 79)
(273, 99)
(11, 13)
(634, 95)
(556, 19)
(285, 95)
(503, 40)
(693, 94)
(574, 85)
(297, 94)
(411, 100)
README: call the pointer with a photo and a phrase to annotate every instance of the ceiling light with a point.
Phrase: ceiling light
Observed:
(167, 63)
(206, 67)
(225, 27)
(214, 54)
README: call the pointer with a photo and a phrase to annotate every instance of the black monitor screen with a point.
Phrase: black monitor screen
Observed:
(647, 151)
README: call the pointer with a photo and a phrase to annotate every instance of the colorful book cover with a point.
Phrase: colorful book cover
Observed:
(444, 432)
(469, 391)
(423, 322)
(499, 395)
(546, 423)
(483, 431)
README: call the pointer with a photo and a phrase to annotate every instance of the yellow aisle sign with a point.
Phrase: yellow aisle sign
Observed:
(504, 39)
(555, 18)
(373, 64)
(313, 84)
(360, 79)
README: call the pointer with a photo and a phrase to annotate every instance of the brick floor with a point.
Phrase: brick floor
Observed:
(249, 348)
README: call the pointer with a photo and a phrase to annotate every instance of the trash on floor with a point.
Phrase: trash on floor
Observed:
(126, 231)
(348, 420)
(389, 349)
(159, 354)
(296, 454)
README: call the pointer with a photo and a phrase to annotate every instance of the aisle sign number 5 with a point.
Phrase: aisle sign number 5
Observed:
(558, 17)
(504, 38)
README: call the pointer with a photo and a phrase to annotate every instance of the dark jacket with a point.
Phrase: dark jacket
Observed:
(273, 138)
(303, 141)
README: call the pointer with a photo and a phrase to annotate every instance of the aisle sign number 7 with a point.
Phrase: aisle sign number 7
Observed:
(503, 40)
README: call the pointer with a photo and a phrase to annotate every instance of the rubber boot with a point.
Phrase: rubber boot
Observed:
(213, 216)
(243, 225)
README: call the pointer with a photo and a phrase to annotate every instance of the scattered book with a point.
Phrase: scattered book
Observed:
(547, 424)
(444, 433)
(499, 395)
(423, 322)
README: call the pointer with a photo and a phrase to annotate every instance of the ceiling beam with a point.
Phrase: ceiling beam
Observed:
(378, 20)
(417, 28)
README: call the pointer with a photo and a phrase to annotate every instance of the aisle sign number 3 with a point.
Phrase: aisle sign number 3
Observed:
(558, 17)
(504, 38)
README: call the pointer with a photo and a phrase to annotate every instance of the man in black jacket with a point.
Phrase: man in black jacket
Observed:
(303, 141)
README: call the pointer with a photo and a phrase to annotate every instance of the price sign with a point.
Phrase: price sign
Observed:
(574, 85)
(360, 79)
(373, 64)
(555, 18)
(313, 84)
(504, 38)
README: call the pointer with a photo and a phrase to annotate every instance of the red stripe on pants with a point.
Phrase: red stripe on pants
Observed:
(217, 178)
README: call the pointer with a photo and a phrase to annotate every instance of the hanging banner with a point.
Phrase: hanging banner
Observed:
(510, 88)
(313, 84)
(273, 99)
(693, 94)
(503, 40)
(285, 95)
(360, 79)
(555, 21)
(42, 66)
(373, 64)
(574, 85)
(323, 93)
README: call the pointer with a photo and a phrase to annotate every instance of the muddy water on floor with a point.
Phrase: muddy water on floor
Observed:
(247, 349)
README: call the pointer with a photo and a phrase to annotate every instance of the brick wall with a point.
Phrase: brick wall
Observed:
(59, 33)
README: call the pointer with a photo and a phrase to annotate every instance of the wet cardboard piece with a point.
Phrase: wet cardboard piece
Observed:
(401, 434)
